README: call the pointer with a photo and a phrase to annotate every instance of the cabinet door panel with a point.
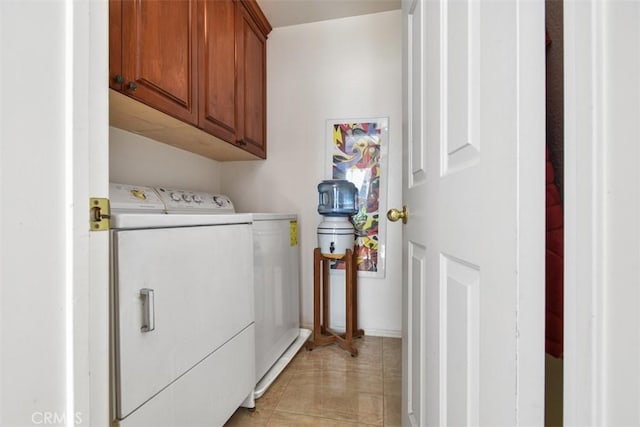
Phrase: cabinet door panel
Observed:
(115, 44)
(217, 68)
(159, 54)
(251, 106)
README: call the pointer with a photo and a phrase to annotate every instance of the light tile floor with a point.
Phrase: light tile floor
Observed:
(328, 387)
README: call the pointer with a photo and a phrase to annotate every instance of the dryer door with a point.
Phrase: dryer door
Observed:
(195, 284)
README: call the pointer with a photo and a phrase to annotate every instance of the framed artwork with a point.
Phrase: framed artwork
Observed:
(357, 150)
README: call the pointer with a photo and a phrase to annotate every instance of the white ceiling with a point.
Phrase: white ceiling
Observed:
(281, 13)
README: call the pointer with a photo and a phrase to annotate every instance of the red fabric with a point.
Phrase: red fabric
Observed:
(554, 266)
(547, 38)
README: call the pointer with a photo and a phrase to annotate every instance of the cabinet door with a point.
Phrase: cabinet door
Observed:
(159, 43)
(115, 45)
(251, 104)
(217, 68)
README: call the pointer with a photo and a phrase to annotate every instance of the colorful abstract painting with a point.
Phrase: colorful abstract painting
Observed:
(357, 149)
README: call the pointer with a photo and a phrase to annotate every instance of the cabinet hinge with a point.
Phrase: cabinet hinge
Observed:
(99, 214)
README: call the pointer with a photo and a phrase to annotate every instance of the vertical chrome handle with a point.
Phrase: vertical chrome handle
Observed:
(148, 310)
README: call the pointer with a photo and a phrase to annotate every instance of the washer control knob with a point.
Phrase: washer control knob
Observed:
(175, 197)
(139, 194)
(197, 198)
(219, 201)
(187, 197)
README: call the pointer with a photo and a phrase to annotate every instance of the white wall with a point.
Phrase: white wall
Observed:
(135, 159)
(29, 247)
(343, 68)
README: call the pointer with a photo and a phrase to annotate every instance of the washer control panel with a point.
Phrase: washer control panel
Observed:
(134, 198)
(185, 201)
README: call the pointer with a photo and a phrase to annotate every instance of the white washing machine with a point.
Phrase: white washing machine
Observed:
(277, 295)
(182, 329)
(276, 272)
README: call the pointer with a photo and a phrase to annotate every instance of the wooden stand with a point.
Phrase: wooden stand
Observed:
(322, 335)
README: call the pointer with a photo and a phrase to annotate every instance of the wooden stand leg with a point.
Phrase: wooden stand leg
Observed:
(322, 333)
(349, 298)
(316, 293)
(325, 294)
(357, 333)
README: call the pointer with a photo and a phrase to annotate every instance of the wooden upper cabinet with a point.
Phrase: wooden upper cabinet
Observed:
(217, 68)
(158, 55)
(200, 61)
(251, 84)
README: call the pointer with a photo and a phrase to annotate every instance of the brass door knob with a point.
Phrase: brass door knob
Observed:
(395, 214)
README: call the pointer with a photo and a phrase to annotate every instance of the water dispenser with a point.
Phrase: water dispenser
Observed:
(337, 201)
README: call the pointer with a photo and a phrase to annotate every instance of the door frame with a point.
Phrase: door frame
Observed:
(89, 61)
(584, 282)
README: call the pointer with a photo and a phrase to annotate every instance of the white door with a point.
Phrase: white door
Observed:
(473, 347)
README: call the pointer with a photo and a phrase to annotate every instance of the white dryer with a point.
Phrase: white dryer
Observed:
(183, 339)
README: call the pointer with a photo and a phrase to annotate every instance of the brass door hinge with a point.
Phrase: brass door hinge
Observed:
(99, 214)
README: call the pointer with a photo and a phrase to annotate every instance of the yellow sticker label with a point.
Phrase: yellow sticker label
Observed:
(293, 232)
